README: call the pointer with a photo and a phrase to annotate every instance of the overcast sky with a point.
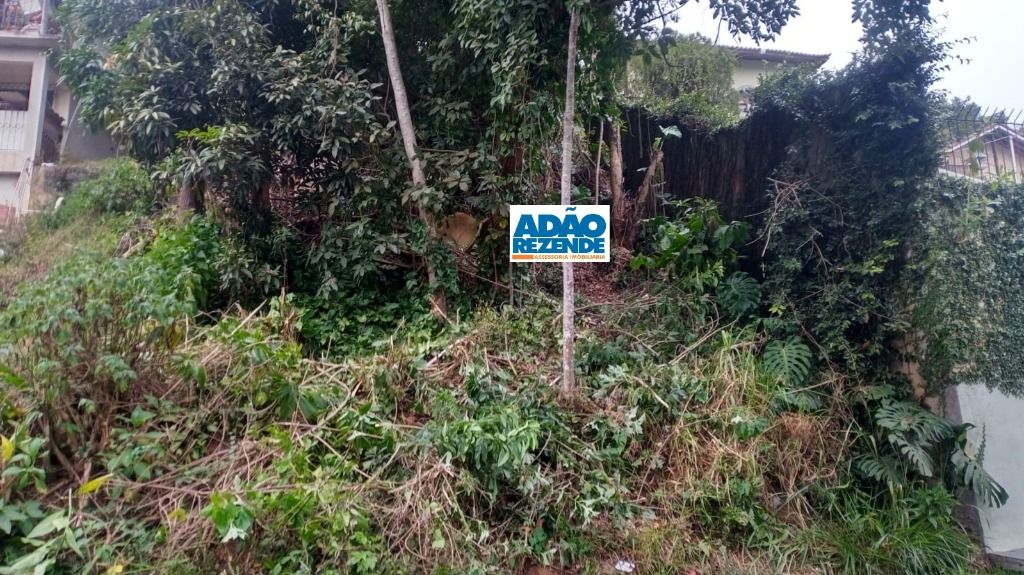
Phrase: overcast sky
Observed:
(993, 77)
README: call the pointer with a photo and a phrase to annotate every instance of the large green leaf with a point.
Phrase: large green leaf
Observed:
(789, 359)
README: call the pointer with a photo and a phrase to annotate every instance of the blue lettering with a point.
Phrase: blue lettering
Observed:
(559, 246)
(526, 227)
(551, 234)
(593, 226)
(550, 226)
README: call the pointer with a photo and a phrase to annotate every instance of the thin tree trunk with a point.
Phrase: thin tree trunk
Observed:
(568, 282)
(615, 182)
(643, 198)
(405, 125)
(597, 164)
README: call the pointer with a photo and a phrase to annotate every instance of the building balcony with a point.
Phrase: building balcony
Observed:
(27, 23)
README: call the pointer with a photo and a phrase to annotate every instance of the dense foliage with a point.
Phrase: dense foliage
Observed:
(968, 302)
(686, 78)
(277, 114)
(259, 386)
(839, 242)
(193, 444)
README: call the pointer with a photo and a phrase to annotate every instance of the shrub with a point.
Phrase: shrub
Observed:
(359, 317)
(694, 246)
(83, 339)
(967, 287)
(695, 249)
(122, 187)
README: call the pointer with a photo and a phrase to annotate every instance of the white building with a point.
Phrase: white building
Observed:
(755, 64)
(992, 153)
(36, 112)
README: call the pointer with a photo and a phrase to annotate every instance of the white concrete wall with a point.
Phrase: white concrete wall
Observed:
(1002, 418)
(748, 73)
(8, 193)
(12, 161)
(9, 200)
(80, 143)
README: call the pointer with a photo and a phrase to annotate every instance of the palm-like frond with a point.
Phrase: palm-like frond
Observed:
(968, 466)
(739, 294)
(789, 359)
(882, 468)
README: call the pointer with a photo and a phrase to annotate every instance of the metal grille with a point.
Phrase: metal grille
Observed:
(984, 144)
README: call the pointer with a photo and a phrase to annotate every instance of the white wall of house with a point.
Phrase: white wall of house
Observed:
(748, 73)
(8, 189)
(28, 122)
(999, 416)
(23, 63)
(80, 144)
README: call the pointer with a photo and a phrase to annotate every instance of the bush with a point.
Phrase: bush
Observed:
(122, 187)
(357, 319)
(968, 286)
(97, 330)
(696, 249)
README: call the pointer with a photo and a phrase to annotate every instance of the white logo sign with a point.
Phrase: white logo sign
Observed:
(549, 233)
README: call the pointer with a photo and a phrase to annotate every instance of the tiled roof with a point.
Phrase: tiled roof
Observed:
(770, 55)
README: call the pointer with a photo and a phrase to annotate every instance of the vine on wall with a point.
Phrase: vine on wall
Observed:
(968, 289)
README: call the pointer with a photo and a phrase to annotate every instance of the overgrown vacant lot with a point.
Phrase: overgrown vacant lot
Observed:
(146, 431)
(281, 334)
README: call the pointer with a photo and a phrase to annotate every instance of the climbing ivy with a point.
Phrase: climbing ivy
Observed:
(864, 252)
(968, 290)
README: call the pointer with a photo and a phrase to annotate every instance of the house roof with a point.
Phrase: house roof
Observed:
(997, 128)
(784, 56)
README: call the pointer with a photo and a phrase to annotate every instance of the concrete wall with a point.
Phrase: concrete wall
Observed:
(51, 181)
(748, 73)
(8, 195)
(81, 144)
(1000, 416)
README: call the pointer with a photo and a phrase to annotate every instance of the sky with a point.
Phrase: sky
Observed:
(992, 76)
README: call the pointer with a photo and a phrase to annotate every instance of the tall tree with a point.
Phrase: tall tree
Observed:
(615, 177)
(568, 281)
(405, 125)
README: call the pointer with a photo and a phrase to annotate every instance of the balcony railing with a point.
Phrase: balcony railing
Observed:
(12, 129)
(27, 17)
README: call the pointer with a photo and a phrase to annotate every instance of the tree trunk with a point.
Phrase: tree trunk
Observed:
(615, 183)
(405, 125)
(568, 282)
(597, 164)
(187, 202)
(643, 199)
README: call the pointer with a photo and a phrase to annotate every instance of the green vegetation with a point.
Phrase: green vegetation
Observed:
(263, 381)
(141, 434)
(970, 304)
(684, 77)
